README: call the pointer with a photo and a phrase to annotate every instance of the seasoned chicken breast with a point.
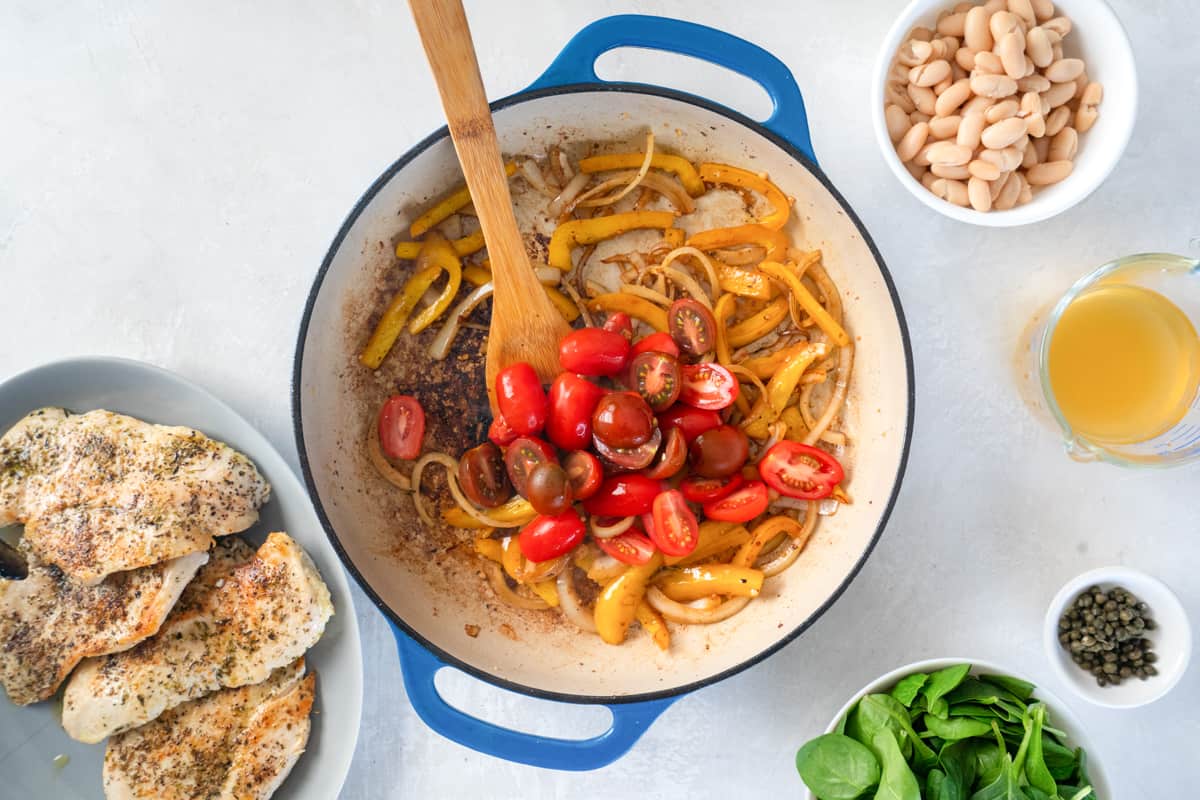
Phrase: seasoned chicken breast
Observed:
(100, 493)
(244, 615)
(235, 744)
(48, 624)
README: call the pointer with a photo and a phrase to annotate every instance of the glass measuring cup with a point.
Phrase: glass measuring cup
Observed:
(1136, 403)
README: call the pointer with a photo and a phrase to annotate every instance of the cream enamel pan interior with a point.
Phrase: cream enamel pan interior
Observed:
(546, 656)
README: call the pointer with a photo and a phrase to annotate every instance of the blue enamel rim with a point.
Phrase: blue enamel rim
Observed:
(306, 467)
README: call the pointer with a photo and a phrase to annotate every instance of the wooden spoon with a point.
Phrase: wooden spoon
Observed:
(525, 324)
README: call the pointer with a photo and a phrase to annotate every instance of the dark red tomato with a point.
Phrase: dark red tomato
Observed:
(800, 470)
(691, 421)
(584, 472)
(401, 427)
(705, 490)
(522, 457)
(500, 433)
(549, 489)
(630, 547)
(675, 530)
(549, 537)
(742, 506)
(521, 399)
(619, 322)
(670, 458)
(573, 400)
(629, 459)
(692, 326)
(623, 496)
(656, 343)
(622, 419)
(593, 351)
(719, 452)
(481, 472)
(655, 376)
(708, 385)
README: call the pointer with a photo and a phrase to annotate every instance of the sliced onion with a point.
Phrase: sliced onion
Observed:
(689, 284)
(637, 179)
(384, 467)
(742, 256)
(440, 346)
(572, 607)
(531, 173)
(418, 471)
(649, 294)
(569, 290)
(704, 260)
(779, 559)
(605, 568)
(495, 577)
(609, 531)
(565, 165)
(828, 507)
(671, 189)
(688, 615)
(845, 362)
(574, 186)
(547, 276)
(451, 465)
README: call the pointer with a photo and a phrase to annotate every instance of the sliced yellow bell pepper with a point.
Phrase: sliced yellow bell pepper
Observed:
(733, 176)
(765, 532)
(758, 324)
(450, 204)
(775, 242)
(547, 590)
(745, 282)
(489, 549)
(653, 623)
(511, 558)
(395, 315)
(806, 300)
(589, 231)
(465, 246)
(779, 390)
(617, 604)
(632, 305)
(796, 427)
(674, 237)
(438, 252)
(715, 537)
(841, 496)
(692, 583)
(514, 513)
(722, 311)
(476, 275)
(766, 366)
(679, 165)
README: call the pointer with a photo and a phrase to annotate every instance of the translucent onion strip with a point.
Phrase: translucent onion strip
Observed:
(838, 398)
(531, 173)
(495, 577)
(609, 531)
(384, 467)
(687, 282)
(704, 260)
(572, 607)
(441, 343)
(418, 471)
(641, 173)
(786, 554)
(689, 615)
(647, 294)
(567, 196)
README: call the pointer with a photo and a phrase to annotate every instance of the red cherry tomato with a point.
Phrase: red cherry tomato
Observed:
(655, 376)
(692, 326)
(800, 470)
(691, 421)
(573, 400)
(549, 489)
(742, 506)
(584, 472)
(619, 322)
(500, 433)
(522, 457)
(719, 452)
(708, 385)
(675, 530)
(706, 490)
(549, 537)
(623, 496)
(629, 459)
(655, 343)
(622, 419)
(630, 547)
(671, 458)
(521, 399)
(593, 351)
(401, 427)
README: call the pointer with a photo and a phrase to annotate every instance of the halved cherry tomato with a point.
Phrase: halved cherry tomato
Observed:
(401, 427)
(671, 458)
(660, 342)
(619, 322)
(742, 506)
(481, 472)
(800, 470)
(521, 399)
(622, 419)
(719, 452)
(584, 472)
(708, 385)
(549, 537)
(593, 351)
(522, 456)
(630, 547)
(690, 420)
(629, 459)
(573, 400)
(706, 490)
(623, 496)
(692, 326)
(655, 376)
(675, 531)
(500, 433)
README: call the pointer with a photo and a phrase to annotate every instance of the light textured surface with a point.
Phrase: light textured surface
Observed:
(172, 173)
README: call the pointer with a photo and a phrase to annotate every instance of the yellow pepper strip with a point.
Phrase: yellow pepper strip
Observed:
(840, 495)
(596, 229)
(809, 303)
(547, 590)
(766, 366)
(585, 556)
(450, 204)
(514, 513)
(439, 252)
(617, 604)
(723, 173)
(653, 623)
(715, 537)
(758, 324)
(764, 533)
(465, 246)
(634, 306)
(780, 388)
(796, 429)
(692, 583)
(679, 165)
(478, 276)
(511, 558)
(775, 242)
(722, 311)
(489, 549)
(744, 282)
(393, 319)
(674, 238)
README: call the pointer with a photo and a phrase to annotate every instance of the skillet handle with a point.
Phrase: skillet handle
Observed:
(576, 63)
(630, 721)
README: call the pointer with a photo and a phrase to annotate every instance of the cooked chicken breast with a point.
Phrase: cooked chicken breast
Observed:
(244, 615)
(235, 744)
(100, 493)
(48, 624)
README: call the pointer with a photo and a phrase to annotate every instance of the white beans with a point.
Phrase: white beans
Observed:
(1002, 111)
(970, 130)
(1048, 173)
(1065, 69)
(985, 170)
(912, 141)
(1011, 50)
(1063, 145)
(976, 33)
(897, 121)
(949, 101)
(1085, 117)
(979, 194)
(1003, 133)
(944, 127)
(948, 154)
(993, 86)
(930, 74)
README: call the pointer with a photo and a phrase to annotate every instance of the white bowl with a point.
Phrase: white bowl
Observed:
(1097, 37)
(1172, 639)
(1062, 716)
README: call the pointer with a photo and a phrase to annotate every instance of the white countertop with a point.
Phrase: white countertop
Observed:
(171, 175)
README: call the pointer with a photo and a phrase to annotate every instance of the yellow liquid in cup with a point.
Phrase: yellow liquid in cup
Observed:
(1124, 364)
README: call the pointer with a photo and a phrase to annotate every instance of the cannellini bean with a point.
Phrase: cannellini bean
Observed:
(1035, 124)
(1029, 156)
(998, 184)
(1060, 25)
(1059, 93)
(948, 154)
(1042, 148)
(1064, 145)
(1002, 110)
(896, 94)
(1003, 22)
(994, 86)
(964, 6)
(1026, 194)
(1031, 103)
(964, 57)
(1057, 120)
(1023, 9)
(976, 33)
(1085, 118)
(983, 169)
(1093, 94)
(897, 121)
(979, 194)
(944, 127)
(927, 179)
(920, 34)
(1007, 198)
(1011, 50)
(899, 73)
(1039, 47)
(914, 52)
(924, 98)
(917, 172)
(1056, 52)
(1042, 9)
(944, 84)
(958, 173)
(929, 74)
(980, 104)
(992, 6)
(1033, 83)
(951, 191)
(1007, 159)
(917, 116)
(949, 101)
(952, 44)
(952, 24)
(1048, 173)
(940, 51)
(1066, 69)
(970, 129)
(1081, 84)
(989, 63)
(912, 141)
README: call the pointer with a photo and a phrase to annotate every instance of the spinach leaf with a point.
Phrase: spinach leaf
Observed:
(1020, 689)
(877, 712)
(907, 689)
(1036, 772)
(835, 767)
(940, 787)
(958, 761)
(897, 781)
(1006, 786)
(956, 728)
(984, 712)
(973, 690)
(1037, 794)
(989, 760)
(1084, 793)
(1059, 760)
(940, 684)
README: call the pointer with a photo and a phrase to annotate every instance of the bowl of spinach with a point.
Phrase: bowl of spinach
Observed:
(952, 729)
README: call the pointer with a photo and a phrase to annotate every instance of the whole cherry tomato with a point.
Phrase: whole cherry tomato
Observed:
(719, 452)
(691, 421)
(619, 322)
(584, 472)
(549, 537)
(742, 506)
(521, 399)
(593, 351)
(623, 496)
(549, 489)
(656, 343)
(622, 419)
(573, 400)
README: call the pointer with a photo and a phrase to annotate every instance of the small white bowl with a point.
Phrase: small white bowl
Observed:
(1097, 37)
(1172, 640)
(1064, 719)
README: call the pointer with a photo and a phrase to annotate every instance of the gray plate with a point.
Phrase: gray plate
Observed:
(31, 737)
